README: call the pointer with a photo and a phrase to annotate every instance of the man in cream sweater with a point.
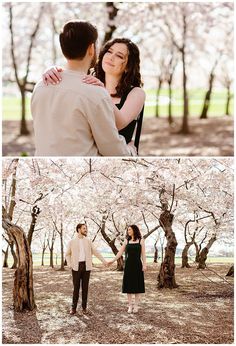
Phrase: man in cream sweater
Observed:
(79, 259)
(73, 118)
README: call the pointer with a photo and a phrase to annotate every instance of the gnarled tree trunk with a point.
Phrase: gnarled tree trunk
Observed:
(203, 254)
(111, 243)
(185, 263)
(23, 291)
(166, 276)
(34, 215)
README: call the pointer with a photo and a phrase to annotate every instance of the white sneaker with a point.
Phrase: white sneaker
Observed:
(130, 310)
(135, 309)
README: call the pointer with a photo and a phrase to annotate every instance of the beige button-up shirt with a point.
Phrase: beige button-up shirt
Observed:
(73, 118)
(73, 253)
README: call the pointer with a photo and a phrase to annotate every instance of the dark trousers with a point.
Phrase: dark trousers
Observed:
(80, 276)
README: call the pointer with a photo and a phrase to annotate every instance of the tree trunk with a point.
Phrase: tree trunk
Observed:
(155, 253)
(23, 125)
(112, 11)
(43, 253)
(62, 252)
(207, 98)
(170, 118)
(111, 243)
(204, 252)
(197, 252)
(228, 101)
(231, 271)
(34, 215)
(51, 257)
(166, 276)
(23, 291)
(185, 263)
(13, 253)
(185, 128)
(160, 81)
(5, 261)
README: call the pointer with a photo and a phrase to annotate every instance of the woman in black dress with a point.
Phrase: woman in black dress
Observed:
(135, 266)
(118, 70)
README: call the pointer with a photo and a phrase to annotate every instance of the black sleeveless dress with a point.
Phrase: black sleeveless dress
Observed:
(133, 279)
(128, 131)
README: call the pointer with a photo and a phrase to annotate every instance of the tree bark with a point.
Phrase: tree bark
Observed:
(228, 101)
(5, 261)
(170, 117)
(207, 98)
(23, 291)
(34, 215)
(14, 256)
(23, 124)
(185, 128)
(204, 252)
(43, 253)
(231, 271)
(62, 251)
(155, 253)
(112, 11)
(111, 243)
(51, 257)
(166, 276)
(185, 263)
(160, 81)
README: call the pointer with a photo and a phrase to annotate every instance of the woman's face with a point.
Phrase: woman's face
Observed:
(115, 60)
(130, 232)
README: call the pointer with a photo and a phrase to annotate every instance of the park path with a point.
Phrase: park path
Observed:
(209, 137)
(199, 311)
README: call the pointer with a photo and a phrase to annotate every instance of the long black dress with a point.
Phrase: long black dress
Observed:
(128, 131)
(133, 279)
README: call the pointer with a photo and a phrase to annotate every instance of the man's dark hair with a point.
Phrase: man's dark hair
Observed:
(79, 226)
(76, 37)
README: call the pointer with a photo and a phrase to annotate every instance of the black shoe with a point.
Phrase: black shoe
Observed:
(72, 311)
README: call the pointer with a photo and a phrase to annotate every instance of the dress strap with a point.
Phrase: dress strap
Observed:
(139, 240)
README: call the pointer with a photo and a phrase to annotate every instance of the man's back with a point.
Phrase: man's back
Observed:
(74, 119)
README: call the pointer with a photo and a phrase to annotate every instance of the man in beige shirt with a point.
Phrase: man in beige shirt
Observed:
(79, 259)
(73, 118)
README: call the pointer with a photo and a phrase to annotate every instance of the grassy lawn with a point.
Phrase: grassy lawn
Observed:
(11, 105)
(108, 256)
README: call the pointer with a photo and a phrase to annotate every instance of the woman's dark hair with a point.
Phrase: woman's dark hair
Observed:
(130, 78)
(137, 233)
(79, 226)
(76, 37)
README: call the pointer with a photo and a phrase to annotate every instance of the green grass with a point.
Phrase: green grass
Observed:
(12, 111)
(108, 256)
(196, 98)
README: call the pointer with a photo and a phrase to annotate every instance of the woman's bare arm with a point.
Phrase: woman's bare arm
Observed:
(131, 108)
(120, 253)
(143, 254)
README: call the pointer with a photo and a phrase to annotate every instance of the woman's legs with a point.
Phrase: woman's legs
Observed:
(136, 302)
(129, 296)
